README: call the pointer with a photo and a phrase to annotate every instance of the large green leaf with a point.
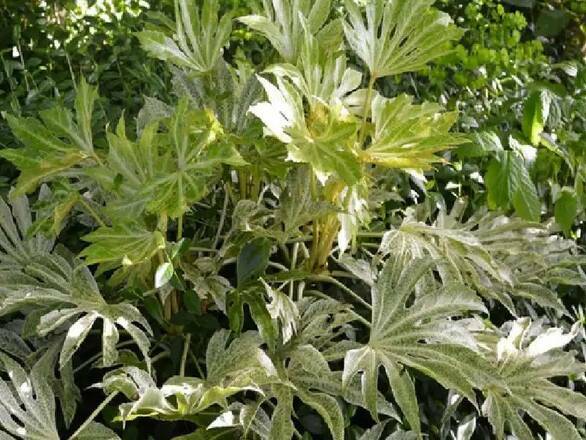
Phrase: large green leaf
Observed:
(398, 36)
(423, 336)
(56, 143)
(200, 36)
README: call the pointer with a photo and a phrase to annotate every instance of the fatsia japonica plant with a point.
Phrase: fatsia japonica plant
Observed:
(238, 271)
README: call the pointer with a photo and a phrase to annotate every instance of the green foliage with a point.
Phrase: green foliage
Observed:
(200, 37)
(267, 233)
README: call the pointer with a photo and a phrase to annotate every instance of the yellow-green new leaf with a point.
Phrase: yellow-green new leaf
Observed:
(325, 140)
(125, 245)
(407, 135)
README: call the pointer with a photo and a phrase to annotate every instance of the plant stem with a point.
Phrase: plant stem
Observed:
(179, 227)
(93, 415)
(366, 111)
(222, 219)
(184, 355)
(91, 211)
(335, 282)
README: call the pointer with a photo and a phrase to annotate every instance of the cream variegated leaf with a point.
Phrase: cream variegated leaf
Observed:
(27, 407)
(60, 290)
(417, 336)
(527, 364)
(323, 75)
(501, 257)
(232, 367)
(398, 36)
(324, 140)
(283, 20)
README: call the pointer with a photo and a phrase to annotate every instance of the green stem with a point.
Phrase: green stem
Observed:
(93, 415)
(179, 227)
(366, 111)
(184, 356)
(222, 219)
(335, 282)
(91, 212)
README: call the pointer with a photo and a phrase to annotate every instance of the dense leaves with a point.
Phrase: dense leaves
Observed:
(307, 230)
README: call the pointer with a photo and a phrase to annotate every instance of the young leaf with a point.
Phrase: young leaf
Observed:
(326, 143)
(535, 114)
(163, 274)
(407, 135)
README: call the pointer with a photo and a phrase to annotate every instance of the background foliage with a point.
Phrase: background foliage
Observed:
(166, 273)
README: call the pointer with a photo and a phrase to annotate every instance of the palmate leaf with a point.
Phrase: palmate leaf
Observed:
(27, 407)
(125, 245)
(129, 167)
(228, 92)
(322, 75)
(170, 167)
(500, 257)
(56, 291)
(423, 336)
(60, 293)
(231, 368)
(407, 135)
(15, 222)
(526, 370)
(325, 140)
(199, 37)
(197, 154)
(282, 25)
(398, 36)
(54, 144)
(293, 383)
(304, 375)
